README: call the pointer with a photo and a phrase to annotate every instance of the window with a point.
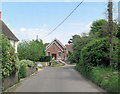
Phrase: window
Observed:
(59, 54)
(14, 44)
(48, 54)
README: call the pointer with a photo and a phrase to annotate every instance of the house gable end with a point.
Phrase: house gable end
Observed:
(56, 45)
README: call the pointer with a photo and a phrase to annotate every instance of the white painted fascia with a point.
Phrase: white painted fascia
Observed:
(53, 42)
(56, 45)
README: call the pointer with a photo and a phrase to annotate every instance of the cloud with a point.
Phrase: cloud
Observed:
(22, 29)
(31, 33)
(63, 33)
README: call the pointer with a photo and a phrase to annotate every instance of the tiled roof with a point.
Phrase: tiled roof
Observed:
(7, 32)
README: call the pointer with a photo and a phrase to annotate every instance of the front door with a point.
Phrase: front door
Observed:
(54, 56)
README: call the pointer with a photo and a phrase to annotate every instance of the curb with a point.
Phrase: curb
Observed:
(12, 88)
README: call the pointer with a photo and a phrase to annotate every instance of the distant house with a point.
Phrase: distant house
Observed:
(8, 33)
(57, 50)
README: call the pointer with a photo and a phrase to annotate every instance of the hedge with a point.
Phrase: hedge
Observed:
(27, 63)
(97, 52)
(23, 65)
(44, 59)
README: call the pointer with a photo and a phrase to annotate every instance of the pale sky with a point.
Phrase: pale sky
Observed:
(28, 19)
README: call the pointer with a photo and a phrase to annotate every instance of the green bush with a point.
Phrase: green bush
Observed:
(23, 65)
(10, 61)
(97, 52)
(22, 72)
(27, 63)
(45, 59)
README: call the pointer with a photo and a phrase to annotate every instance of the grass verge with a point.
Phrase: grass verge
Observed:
(106, 78)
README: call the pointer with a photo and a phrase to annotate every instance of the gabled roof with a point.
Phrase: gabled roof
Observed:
(7, 32)
(55, 41)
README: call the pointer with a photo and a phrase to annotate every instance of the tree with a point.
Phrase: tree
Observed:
(32, 50)
(78, 42)
(46, 44)
(99, 28)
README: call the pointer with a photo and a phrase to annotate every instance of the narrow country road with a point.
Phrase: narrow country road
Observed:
(57, 79)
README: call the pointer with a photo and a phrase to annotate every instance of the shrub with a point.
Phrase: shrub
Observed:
(22, 72)
(27, 63)
(10, 61)
(22, 69)
(97, 52)
(44, 59)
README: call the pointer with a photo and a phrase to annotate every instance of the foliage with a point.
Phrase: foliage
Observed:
(78, 42)
(99, 28)
(54, 64)
(32, 50)
(119, 54)
(23, 65)
(27, 63)
(37, 68)
(22, 71)
(97, 52)
(46, 44)
(10, 62)
(70, 57)
(91, 53)
(100, 75)
(45, 59)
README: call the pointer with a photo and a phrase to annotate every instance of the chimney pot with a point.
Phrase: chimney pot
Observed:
(0, 15)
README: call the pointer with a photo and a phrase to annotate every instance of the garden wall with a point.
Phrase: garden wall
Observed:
(13, 79)
(9, 81)
(30, 71)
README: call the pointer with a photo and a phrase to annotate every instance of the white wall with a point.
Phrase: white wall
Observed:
(14, 44)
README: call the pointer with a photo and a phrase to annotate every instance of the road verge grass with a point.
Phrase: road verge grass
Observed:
(54, 64)
(106, 78)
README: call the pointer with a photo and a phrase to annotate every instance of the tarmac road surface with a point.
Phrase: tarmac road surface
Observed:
(57, 79)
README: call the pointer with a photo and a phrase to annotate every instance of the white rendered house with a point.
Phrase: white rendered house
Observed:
(8, 33)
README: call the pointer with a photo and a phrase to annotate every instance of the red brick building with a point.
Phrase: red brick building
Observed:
(57, 50)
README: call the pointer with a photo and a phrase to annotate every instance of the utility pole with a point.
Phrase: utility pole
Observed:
(110, 28)
(36, 37)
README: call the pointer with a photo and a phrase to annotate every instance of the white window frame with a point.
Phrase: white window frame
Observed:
(47, 53)
(58, 53)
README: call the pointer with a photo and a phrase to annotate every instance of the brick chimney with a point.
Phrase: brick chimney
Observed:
(0, 15)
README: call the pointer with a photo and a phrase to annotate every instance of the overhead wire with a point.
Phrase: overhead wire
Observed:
(63, 20)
